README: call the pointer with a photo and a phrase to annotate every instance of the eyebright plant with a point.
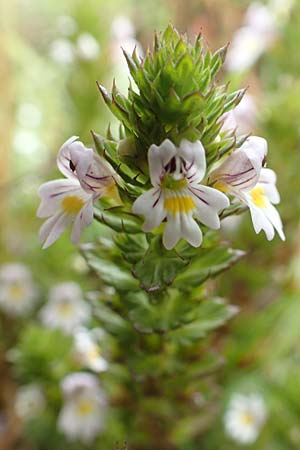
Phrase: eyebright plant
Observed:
(162, 188)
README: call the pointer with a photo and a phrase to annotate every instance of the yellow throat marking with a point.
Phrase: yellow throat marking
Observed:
(223, 187)
(176, 205)
(16, 291)
(65, 309)
(247, 419)
(72, 204)
(258, 197)
(86, 407)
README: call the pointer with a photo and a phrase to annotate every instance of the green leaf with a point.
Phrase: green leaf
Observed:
(159, 267)
(209, 263)
(209, 315)
(119, 220)
(109, 272)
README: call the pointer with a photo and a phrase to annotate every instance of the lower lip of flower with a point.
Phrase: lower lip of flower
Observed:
(179, 204)
(258, 197)
(72, 204)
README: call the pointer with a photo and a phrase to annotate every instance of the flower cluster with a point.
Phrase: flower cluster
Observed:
(176, 198)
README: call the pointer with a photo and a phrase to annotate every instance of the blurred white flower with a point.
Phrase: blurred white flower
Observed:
(66, 309)
(122, 28)
(281, 10)
(244, 418)
(123, 38)
(87, 351)
(66, 25)
(29, 115)
(29, 401)
(87, 47)
(18, 292)
(62, 51)
(82, 414)
(27, 142)
(242, 118)
(252, 39)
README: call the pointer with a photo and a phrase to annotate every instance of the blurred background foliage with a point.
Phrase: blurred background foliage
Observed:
(51, 54)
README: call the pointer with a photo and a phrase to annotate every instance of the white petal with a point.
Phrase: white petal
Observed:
(268, 180)
(209, 202)
(172, 232)
(158, 158)
(151, 206)
(190, 230)
(274, 217)
(260, 222)
(241, 169)
(63, 159)
(53, 192)
(194, 155)
(53, 228)
(83, 219)
(229, 122)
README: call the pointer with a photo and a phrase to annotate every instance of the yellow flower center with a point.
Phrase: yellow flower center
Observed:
(247, 419)
(72, 204)
(94, 353)
(86, 407)
(179, 204)
(258, 197)
(65, 309)
(223, 187)
(16, 292)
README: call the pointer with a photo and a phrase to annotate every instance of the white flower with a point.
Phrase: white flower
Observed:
(87, 47)
(29, 401)
(87, 351)
(17, 290)
(252, 39)
(62, 51)
(177, 196)
(70, 201)
(66, 309)
(82, 415)
(243, 176)
(245, 417)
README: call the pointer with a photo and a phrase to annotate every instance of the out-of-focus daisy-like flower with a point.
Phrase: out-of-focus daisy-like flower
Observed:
(66, 309)
(242, 175)
(253, 39)
(83, 411)
(177, 196)
(62, 51)
(244, 418)
(87, 351)
(29, 401)
(18, 292)
(87, 47)
(70, 201)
